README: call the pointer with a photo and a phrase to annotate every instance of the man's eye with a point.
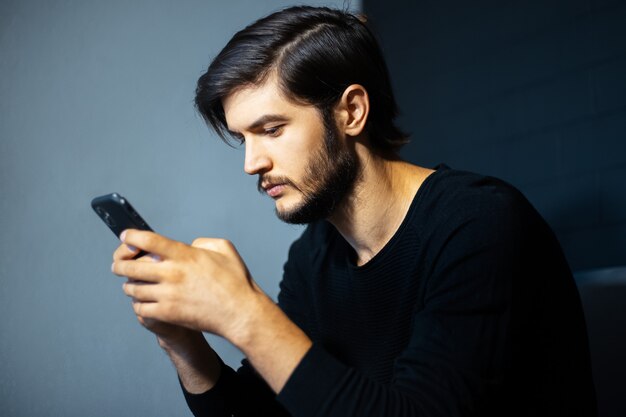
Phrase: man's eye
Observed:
(273, 131)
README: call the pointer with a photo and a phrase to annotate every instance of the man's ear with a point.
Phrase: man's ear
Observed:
(352, 110)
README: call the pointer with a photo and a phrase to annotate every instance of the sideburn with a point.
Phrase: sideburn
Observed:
(330, 176)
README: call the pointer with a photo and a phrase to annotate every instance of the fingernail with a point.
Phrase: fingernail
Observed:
(112, 266)
(131, 248)
(123, 235)
(155, 258)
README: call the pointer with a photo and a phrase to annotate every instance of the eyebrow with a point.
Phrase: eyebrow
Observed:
(267, 118)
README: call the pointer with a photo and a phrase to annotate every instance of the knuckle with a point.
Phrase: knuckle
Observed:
(124, 269)
(117, 253)
(116, 268)
(171, 310)
(147, 313)
(150, 239)
(179, 246)
(200, 241)
(137, 292)
(178, 276)
(213, 244)
(225, 245)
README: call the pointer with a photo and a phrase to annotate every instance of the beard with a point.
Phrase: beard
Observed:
(329, 176)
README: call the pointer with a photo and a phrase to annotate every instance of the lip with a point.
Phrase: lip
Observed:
(274, 190)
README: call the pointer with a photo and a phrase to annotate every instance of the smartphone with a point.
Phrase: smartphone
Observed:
(117, 213)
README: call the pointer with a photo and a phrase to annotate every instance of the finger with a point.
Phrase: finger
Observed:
(145, 310)
(139, 271)
(125, 251)
(152, 242)
(142, 291)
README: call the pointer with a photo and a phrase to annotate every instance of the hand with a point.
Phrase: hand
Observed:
(166, 333)
(204, 287)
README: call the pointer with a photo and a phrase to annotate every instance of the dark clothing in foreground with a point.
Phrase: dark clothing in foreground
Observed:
(469, 310)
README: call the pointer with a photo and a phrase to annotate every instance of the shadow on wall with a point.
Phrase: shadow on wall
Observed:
(530, 93)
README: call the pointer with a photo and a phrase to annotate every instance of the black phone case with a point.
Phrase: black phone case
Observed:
(117, 213)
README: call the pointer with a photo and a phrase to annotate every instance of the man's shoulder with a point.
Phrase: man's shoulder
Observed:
(454, 198)
(460, 190)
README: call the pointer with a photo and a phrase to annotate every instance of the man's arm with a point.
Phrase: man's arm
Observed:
(196, 363)
(209, 385)
(207, 287)
(272, 342)
(211, 290)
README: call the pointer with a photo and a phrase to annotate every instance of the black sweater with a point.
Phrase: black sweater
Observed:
(469, 310)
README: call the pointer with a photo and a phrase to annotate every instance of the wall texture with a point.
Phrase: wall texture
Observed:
(96, 97)
(531, 92)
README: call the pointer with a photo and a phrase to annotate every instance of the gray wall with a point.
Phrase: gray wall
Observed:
(533, 92)
(96, 97)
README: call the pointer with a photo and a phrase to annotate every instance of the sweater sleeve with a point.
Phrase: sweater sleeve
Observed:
(456, 353)
(238, 393)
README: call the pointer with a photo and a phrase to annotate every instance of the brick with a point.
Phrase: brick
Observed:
(544, 107)
(529, 160)
(567, 203)
(451, 34)
(459, 32)
(561, 101)
(609, 84)
(608, 34)
(480, 159)
(595, 144)
(506, 69)
(522, 162)
(423, 150)
(613, 195)
(596, 247)
(602, 4)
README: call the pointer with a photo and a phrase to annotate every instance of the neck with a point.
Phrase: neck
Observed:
(372, 213)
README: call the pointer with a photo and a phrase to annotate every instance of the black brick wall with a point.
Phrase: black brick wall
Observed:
(532, 92)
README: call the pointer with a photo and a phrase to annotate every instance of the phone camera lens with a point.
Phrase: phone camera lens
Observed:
(108, 219)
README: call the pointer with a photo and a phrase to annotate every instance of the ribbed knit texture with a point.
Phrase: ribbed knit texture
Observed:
(469, 310)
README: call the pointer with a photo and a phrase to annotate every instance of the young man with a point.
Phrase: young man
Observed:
(412, 292)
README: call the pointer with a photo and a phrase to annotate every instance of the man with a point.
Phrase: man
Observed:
(412, 292)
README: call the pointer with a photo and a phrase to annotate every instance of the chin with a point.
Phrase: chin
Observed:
(291, 213)
(284, 208)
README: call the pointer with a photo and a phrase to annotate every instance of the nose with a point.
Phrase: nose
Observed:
(256, 161)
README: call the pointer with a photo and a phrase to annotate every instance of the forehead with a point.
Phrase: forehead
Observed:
(248, 104)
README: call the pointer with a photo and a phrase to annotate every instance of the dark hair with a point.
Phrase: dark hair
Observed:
(317, 53)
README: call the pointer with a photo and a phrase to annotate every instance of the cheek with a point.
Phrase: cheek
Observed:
(293, 151)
